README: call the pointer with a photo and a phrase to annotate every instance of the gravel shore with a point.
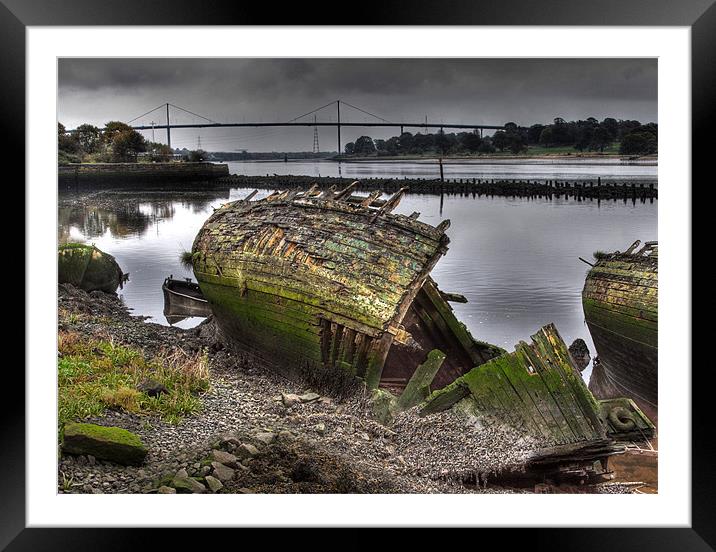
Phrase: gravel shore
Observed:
(284, 438)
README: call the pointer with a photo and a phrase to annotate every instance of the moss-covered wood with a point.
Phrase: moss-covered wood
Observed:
(418, 387)
(305, 280)
(624, 420)
(621, 295)
(88, 267)
(620, 301)
(535, 388)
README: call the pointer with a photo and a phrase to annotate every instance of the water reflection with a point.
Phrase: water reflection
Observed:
(124, 214)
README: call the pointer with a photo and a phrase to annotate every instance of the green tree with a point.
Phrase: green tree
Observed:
(159, 152)
(66, 142)
(470, 141)
(534, 132)
(364, 146)
(601, 138)
(126, 145)
(643, 140)
(112, 129)
(500, 140)
(88, 137)
(612, 126)
(350, 148)
(486, 145)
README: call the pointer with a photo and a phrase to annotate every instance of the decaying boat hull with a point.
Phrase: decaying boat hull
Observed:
(308, 281)
(330, 282)
(535, 388)
(620, 300)
(89, 268)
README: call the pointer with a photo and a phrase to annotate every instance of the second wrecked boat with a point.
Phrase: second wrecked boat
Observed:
(89, 268)
(332, 282)
(621, 308)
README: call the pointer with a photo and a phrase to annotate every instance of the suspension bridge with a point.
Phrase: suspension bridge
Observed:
(299, 121)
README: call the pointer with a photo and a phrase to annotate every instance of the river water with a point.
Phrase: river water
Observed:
(515, 259)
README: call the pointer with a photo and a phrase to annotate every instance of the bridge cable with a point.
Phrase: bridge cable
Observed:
(192, 113)
(366, 112)
(147, 113)
(311, 112)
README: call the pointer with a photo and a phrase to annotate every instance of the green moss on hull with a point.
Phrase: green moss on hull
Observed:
(620, 295)
(632, 328)
(534, 388)
(87, 267)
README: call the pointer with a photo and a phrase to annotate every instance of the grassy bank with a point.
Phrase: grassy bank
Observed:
(96, 374)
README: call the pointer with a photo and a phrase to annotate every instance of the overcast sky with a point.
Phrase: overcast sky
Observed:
(472, 91)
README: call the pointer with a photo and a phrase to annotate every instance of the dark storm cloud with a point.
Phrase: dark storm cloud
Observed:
(490, 91)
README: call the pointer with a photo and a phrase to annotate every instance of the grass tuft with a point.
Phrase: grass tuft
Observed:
(95, 374)
(187, 259)
(598, 255)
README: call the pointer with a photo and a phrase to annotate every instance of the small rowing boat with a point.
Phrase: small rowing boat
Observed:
(183, 299)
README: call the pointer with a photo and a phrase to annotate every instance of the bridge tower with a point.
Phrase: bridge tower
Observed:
(338, 106)
(316, 147)
(169, 134)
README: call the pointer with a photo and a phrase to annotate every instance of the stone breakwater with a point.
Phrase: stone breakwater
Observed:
(111, 175)
(576, 189)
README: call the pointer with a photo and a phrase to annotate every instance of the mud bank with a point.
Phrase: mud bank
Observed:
(302, 442)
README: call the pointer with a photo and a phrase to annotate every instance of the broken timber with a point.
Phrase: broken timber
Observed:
(339, 282)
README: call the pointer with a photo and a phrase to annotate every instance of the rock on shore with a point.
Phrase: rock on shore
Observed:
(106, 443)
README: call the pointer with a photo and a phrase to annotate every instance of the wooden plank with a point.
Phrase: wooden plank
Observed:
(418, 386)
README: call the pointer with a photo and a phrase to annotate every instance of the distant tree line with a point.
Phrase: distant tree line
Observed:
(117, 142)
(633, 138)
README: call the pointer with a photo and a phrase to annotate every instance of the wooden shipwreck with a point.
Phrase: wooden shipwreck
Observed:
(620, 300)
(334, 282)
(89, 268)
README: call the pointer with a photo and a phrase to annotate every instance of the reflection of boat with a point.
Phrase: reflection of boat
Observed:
(326, 284)
(621, 311)
(183, 299)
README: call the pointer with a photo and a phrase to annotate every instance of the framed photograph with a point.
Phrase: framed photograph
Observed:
(402, 273)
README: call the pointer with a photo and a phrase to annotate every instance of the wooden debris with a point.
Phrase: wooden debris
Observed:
(251, 195)
(453, 297)
(418, 387)
(329, 193)
(347, 191)
(367, 202)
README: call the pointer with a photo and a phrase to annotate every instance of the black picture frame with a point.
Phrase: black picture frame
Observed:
(699, 15)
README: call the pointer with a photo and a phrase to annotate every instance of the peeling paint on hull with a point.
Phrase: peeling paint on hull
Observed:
(620, 300)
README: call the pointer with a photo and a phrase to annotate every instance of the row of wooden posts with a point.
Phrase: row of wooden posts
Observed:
(462, 186)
